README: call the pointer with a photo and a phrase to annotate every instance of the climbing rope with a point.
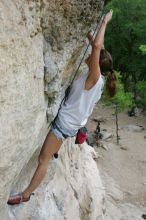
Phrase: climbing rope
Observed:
(67, 91)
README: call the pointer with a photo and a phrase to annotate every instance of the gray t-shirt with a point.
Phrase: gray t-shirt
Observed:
(79, 106)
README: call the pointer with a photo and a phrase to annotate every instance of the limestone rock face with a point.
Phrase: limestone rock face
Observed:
(41, 43)
(71, 190)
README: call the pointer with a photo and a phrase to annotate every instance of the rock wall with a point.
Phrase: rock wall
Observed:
(41, 42)
(71, 190)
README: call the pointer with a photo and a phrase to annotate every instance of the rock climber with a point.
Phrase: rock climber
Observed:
(85, 93)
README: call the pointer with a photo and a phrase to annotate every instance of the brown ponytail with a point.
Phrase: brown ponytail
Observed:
(106, 67)
(111, 83)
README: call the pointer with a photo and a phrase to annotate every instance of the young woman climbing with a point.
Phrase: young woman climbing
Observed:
(85, 92)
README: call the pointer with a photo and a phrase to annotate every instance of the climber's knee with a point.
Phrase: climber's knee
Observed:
(43, 159)
(51, 145)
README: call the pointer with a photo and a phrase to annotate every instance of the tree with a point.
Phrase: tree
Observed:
(121, 101)
(141, 99)
(143, 49)
(124, 35)
(141, 85)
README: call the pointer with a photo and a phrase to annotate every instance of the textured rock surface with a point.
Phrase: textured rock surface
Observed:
(71, 190)
(40, 43)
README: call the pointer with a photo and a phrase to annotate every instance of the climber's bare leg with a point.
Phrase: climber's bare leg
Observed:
(51, 145)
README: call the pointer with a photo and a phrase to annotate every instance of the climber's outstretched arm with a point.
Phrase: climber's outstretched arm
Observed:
(97, 45)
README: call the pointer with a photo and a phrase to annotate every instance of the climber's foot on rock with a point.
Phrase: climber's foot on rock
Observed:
(18, 198)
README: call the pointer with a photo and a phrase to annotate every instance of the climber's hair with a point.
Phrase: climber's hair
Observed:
(106, 67)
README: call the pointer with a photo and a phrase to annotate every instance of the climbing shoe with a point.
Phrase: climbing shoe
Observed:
(18, 198)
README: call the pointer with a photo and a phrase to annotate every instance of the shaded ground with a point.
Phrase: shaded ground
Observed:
(123, 171)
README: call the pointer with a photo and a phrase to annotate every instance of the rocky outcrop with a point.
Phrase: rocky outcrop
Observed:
(41, 42)
(71, 190)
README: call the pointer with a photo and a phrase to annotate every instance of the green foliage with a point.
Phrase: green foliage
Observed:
(143, 49)
(141, 87)
(123, 36)
(122, 99)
